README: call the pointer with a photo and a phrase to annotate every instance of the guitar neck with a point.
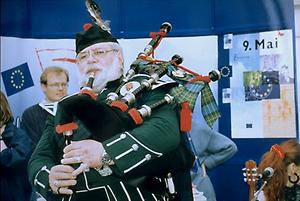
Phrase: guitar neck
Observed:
(250, 173)
(252, 189)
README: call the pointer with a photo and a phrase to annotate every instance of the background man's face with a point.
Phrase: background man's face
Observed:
(56, 87)
(102, 59)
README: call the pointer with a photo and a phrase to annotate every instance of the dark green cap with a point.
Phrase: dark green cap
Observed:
(94, 34)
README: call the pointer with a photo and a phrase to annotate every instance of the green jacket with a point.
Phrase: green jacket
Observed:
(157, 137)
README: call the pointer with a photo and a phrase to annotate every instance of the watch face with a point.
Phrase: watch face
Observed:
(106, 159)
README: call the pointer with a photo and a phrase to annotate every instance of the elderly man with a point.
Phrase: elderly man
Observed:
(127, 165)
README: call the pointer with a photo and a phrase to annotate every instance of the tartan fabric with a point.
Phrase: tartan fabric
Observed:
(209, 106)
(190, 92)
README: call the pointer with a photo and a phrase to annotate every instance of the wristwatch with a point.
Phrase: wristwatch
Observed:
(105, 170)
(106, 159)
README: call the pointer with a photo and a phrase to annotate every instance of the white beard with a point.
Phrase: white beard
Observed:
(107, 74)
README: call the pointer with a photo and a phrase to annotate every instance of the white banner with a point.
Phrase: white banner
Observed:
(33, 55)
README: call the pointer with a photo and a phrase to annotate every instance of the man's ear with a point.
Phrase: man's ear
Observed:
(43, 86)
(121, 58)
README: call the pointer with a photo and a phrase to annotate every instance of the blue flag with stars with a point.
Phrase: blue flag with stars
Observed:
(17, 79)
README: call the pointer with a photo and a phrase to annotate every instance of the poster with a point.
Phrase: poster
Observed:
(262, 86)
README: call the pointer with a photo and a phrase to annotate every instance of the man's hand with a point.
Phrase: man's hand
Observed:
(60, 178)
(87, 152)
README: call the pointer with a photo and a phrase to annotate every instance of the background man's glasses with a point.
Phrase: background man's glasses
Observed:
(57, 85)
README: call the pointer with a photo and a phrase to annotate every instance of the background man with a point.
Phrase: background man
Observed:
(54, 83)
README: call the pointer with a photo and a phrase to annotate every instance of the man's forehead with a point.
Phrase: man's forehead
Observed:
(97, 46)
(56, 75)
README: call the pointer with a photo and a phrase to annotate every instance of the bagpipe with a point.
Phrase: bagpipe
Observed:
(118, 108)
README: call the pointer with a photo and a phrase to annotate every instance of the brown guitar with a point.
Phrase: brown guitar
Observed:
(250, 174)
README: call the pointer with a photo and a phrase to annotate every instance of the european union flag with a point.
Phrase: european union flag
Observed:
(17, 79)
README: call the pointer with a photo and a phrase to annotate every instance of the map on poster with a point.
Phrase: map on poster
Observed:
(262, 86)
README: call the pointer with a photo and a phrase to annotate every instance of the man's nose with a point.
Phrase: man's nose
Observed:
(60, 87)
(91, 59)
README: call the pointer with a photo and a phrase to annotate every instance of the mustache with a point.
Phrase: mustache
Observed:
(93, 70)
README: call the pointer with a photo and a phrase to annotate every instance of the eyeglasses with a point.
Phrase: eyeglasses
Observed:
(57, 85)
(94, 53)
